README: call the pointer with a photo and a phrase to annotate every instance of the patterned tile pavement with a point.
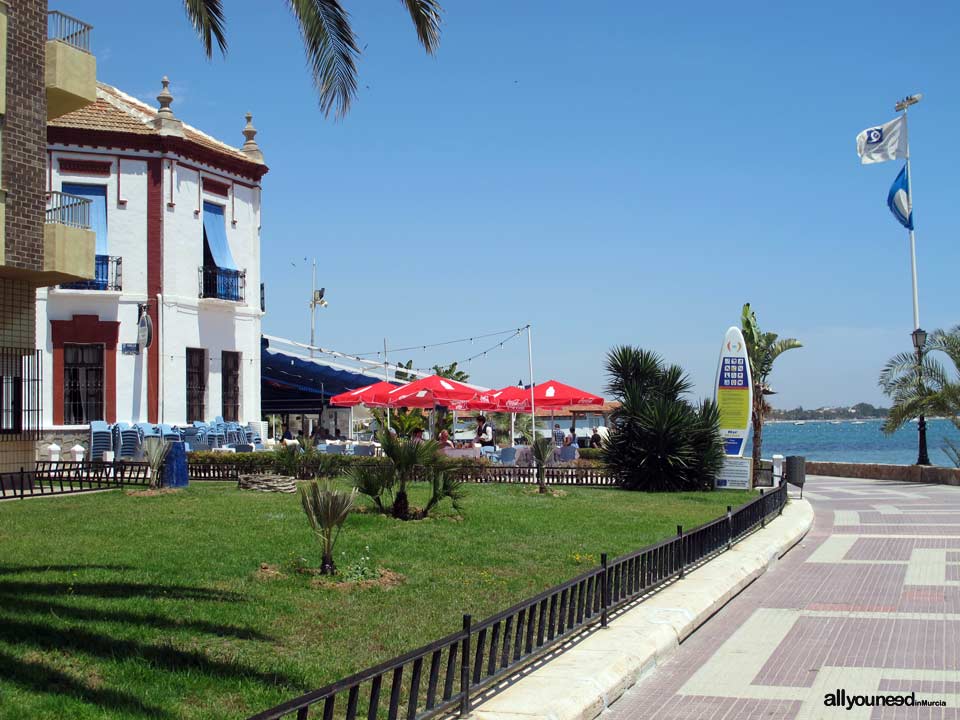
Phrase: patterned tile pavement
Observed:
(868, 603)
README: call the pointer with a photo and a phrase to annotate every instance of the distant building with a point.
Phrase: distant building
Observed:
(176, 214)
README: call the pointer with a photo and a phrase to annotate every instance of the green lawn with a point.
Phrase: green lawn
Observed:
(120, 606)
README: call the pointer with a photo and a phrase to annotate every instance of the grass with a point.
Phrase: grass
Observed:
(152, 607)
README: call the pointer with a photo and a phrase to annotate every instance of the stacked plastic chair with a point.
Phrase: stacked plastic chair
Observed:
(170, 433)
(216, 436)
(101, 439)
(126, 441)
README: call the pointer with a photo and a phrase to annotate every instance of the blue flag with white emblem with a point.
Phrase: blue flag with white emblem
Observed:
(898, 200)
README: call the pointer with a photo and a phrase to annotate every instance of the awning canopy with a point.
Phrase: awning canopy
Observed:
(291, 384)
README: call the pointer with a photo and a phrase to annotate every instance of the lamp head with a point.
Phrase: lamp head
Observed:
(919, 339)
(908, 101)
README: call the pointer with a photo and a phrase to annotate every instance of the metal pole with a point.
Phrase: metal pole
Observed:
(386, 377)
(533, 407)
(922, 457)
(313, 306)
(465, 668)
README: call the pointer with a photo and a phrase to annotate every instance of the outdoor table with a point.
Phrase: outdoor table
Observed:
(473, 452)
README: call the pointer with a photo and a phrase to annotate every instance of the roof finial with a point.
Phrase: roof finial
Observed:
(165, 122)
(165, 98)
(250, 147)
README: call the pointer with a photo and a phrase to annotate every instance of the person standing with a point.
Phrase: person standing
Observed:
(484, 432)
(557, 435)
(596, 441)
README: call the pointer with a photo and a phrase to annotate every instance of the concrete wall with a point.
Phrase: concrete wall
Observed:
(877, 471)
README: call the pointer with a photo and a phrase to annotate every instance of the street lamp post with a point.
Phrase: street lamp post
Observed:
(919, 341)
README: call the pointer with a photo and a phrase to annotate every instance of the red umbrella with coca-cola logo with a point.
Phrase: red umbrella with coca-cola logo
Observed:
(362, 396)
(426, 393)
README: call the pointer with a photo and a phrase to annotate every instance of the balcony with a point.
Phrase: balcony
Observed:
(220, 284)
(107, 276)
(71, 71)
(69, 245)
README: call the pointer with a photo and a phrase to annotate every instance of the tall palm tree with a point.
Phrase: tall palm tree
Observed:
(328, 40)
(763, 348)
(927, 388)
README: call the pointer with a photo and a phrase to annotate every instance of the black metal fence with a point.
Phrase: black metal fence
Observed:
(213, 471)
(66, 477)
(223, 284)
(21, 385)
(445, 675)
(107, 275)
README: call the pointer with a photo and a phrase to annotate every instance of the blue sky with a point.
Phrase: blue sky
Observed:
(611, 173)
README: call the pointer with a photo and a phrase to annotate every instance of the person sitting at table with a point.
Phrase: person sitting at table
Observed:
(595, 440)
(287, 435)
(484, 432)
(444, 439)
(567, 441)
(573, 437)
(416, 436)
(337, 436)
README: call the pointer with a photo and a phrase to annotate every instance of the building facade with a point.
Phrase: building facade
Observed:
(176, 219)
(46, 70)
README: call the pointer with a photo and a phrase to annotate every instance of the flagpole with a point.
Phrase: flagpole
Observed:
(913, 240)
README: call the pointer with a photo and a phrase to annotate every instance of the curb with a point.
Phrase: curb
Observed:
(582, 682)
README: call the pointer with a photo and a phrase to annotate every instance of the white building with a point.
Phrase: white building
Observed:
(177, 216)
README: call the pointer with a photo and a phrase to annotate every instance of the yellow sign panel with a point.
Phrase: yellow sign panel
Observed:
(734, 405)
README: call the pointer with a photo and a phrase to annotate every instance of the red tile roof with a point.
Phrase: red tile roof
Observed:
(115, 111)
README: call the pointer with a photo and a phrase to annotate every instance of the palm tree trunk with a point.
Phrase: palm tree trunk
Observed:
(757, 443)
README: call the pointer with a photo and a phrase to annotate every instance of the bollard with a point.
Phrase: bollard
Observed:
(78, 452)
(465, 667)
(604, 590)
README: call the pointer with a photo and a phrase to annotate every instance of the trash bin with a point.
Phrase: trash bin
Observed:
(796, 470)
(175, 466)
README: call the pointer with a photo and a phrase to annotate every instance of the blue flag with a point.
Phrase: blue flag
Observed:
(898, 200)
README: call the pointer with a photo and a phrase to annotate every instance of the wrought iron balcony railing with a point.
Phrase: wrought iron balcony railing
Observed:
(70, 210)
(68, 29)
(108, 275)
(223, 284)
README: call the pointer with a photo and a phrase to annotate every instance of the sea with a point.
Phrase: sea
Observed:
(847, 441)
(861, 441)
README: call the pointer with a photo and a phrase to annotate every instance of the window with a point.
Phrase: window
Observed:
(82, 383)
(221, 278)
(230, 379)
(11, 405)
(196, 384)
(97, 194)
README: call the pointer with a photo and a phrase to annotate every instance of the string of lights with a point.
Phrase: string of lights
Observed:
(428, 346)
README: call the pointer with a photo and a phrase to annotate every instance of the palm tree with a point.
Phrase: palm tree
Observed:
(326, 509)
(658, 440)
(328, 40)
(543, 450)
(406, 457)
(763, 348)
(926, 388)
(452, 372)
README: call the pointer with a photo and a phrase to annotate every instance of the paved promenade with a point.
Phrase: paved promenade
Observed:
(869, 603)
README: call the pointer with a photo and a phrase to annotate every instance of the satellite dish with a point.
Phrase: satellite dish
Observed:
(144, 332)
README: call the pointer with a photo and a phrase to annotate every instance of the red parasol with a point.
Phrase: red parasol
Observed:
(553, 394)
(362, 396)
(427, 392)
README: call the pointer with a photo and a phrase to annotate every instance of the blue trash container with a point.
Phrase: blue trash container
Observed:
(175, 466)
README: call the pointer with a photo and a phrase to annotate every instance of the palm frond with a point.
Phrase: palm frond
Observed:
(208, 20)
(332, 51)
(426, 16)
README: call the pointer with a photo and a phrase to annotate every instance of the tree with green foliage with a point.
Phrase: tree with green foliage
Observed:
(451, 372)
(328, 39)
(543, 451)
(658, 440)
(925, 388)
(763, 348)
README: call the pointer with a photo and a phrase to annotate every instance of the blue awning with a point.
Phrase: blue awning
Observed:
(97, 194)
(292, 384)
(215, 233)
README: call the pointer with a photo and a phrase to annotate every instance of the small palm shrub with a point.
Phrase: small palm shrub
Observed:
(326, 509)
(658, 440)
(543, 449)
(155, 452)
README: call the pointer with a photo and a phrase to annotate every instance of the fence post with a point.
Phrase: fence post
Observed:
(781, 500)
(465, 667)
(729, 526)
(763, 510)
(21, 482)
(681, 549)
(604, 590)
